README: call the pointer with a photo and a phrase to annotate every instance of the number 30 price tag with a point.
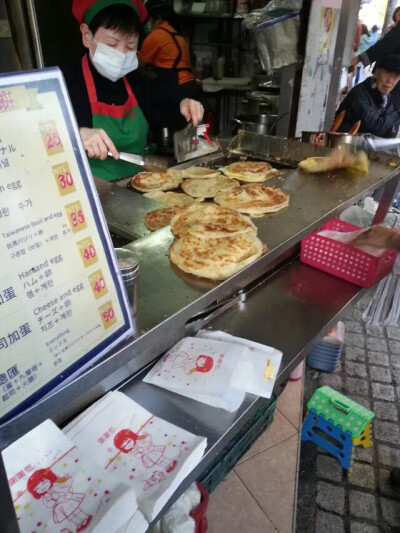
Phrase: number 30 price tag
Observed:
(76, 217)
(107, 315)
(64, 179)
(87, 251)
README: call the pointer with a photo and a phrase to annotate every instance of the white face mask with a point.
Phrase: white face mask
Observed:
(113, 64)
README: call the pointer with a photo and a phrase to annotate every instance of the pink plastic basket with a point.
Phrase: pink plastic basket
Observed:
(343, 260)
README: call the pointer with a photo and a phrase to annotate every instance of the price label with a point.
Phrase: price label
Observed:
(64, 179)
(98, 284)
(107, 315)
(51, 137)
(76, 216)
(87, 251)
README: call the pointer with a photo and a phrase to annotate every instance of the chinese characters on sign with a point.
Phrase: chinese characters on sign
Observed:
(60, 299)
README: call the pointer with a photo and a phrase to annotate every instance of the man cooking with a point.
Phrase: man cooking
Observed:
(113, 102)
(371, 101)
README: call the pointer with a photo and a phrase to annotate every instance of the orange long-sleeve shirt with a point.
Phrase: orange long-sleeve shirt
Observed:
(160, 50)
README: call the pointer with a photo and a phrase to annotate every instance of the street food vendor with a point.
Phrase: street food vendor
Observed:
(113, 102)
(166, 49)
(371, 101)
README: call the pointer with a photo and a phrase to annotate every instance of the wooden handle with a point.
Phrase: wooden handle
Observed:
(354, 129)
(338, 122)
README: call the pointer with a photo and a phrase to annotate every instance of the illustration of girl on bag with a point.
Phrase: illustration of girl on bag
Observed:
(142, 447)
(56, 493)
(192, 364)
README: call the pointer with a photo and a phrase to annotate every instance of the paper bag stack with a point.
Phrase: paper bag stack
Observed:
(57, 488)
(217, 369)
(139, 449)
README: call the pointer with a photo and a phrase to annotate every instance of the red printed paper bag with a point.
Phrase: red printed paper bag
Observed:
(200, 369)
(57, 489)
(140, 449)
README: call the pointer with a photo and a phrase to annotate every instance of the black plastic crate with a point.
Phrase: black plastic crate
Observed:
(238, 446)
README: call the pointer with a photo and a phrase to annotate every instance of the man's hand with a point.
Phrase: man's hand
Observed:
(97, 143)
(379, 237)
(192, 110)
(355, 60)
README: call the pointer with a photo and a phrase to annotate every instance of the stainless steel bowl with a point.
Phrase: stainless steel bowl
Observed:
(262, 124)
(323, 139)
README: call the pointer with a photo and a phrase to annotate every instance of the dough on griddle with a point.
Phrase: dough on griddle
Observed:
(252, 171)
(157, 181)
(200, 173)
(159, 218)
(211, 221)
(170, 198)
(254, 199)
(209, 187)
(339, 158)
(216, 259)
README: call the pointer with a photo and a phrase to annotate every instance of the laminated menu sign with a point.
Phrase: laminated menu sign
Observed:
(62, 301)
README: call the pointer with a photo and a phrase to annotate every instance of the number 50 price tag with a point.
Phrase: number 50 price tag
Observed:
(107, 315)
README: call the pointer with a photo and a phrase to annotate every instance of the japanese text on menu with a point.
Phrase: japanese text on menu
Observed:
(58, 300)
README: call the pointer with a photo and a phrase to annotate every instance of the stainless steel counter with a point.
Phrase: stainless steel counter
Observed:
(125, 209)
(290, 309)
(165, 291)
(273, 314)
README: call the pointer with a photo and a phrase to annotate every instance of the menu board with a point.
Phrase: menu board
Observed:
(62, 300)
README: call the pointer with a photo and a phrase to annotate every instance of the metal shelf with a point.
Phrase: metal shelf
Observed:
(233, 16)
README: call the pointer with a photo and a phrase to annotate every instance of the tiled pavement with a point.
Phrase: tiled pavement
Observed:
(331, 500)
(259, 495)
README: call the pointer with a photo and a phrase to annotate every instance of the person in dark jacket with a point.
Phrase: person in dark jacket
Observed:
(388, 45)
(371, 101)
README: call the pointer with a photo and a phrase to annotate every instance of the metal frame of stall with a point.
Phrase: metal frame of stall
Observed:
(263, 291)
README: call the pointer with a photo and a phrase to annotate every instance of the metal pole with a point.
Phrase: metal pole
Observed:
(389, 193)
(9, 522)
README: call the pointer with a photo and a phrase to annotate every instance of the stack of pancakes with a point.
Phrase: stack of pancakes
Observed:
(213, 242)
(202, 183)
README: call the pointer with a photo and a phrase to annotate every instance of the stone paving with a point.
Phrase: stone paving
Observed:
(330, 499)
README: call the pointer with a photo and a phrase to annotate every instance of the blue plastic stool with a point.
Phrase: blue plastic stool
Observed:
(331, 438)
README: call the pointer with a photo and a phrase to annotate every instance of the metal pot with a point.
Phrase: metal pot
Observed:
(258, 102)
(262, 124)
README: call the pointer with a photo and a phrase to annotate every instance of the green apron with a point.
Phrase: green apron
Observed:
(125, 125)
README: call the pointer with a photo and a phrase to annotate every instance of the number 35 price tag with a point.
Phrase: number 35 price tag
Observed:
(76, 216)
(87, 251)
(107, 315)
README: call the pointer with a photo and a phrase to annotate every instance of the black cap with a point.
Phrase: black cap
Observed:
(151, 5)
(390, 63)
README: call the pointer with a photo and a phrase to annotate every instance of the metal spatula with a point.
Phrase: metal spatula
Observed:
(185, 142)
(150, 163)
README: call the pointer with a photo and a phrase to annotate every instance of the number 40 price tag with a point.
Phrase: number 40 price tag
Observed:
(87, 251)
